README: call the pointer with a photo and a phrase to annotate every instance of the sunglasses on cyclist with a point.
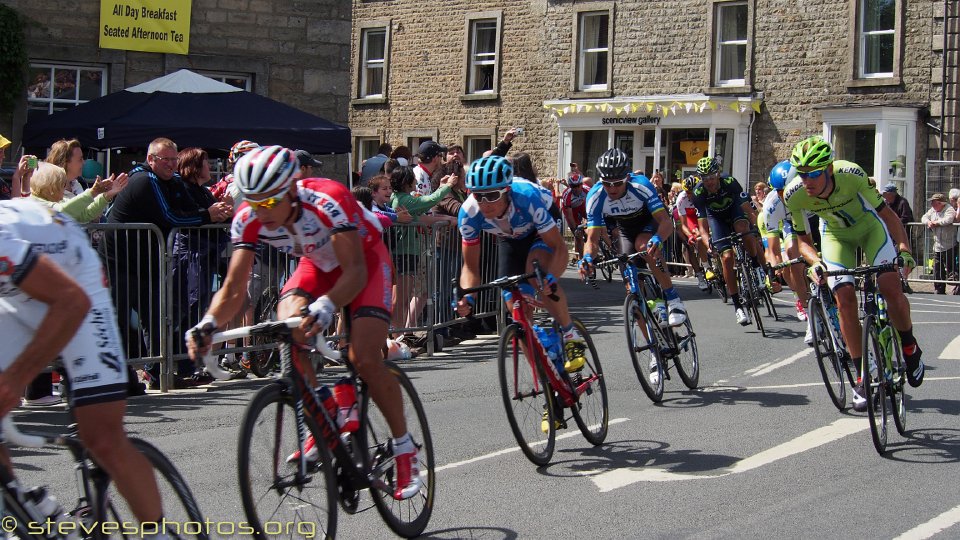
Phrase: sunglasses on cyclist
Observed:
(613, 183)
(267, 204)
(811, 174)
(489, 196)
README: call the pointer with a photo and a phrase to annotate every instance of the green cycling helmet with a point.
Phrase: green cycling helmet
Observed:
(812, 152)
(708, 165)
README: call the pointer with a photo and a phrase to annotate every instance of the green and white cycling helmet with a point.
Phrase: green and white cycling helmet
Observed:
(812, 153)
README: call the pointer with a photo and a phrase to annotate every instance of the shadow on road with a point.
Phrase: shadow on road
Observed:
(493, 533)
(638, 454)
(731, 395)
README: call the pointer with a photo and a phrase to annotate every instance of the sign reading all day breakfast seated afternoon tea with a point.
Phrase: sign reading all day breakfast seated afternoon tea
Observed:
(145, 25)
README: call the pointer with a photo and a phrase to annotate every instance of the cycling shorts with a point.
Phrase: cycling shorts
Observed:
(512, 254)
(94, 359)
(722, 226)
(839, 248)
(310, 282)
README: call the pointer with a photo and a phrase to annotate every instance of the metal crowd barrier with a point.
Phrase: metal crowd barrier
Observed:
(162, 287)
(921, 238)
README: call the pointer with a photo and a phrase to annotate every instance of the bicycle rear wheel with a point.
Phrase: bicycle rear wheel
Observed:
(771, 307)
(407, 517)
(526, 397)
(827, 357)
(272, 490)
(181, 513)
(591, 410)
(636, 320)
(874, 385)
(897, 385)
(751, 298)
(687, 357)
(264, 360)
(607, 252)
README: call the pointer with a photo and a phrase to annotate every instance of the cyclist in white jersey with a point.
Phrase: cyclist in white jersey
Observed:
(54, 303)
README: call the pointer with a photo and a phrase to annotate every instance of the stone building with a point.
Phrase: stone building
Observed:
(293, 51)
(668, 81)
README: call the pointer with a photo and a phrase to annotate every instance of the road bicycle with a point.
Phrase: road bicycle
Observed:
(883, 369)
(606, 252)
(753, 290)
(299, 489)
(537, 389)
(100, 511)
(676, 345)
(713, 273)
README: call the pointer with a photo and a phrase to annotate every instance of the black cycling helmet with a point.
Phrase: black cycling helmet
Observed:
(613, 164)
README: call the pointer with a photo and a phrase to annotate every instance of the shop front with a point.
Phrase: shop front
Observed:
(665, 133)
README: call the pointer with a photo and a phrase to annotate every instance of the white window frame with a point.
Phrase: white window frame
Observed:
(478, 59)
(368, 64)
(52, 103)
(222, 76)
(863, 39)
(359, 144)
(472, 153)
(583, 50)
(723, 10)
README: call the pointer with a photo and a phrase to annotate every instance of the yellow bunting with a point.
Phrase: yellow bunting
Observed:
(588, 108)
(756, 106)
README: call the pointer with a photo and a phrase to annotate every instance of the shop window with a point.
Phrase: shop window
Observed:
(366, 147)
(587, 146)
(856, 144)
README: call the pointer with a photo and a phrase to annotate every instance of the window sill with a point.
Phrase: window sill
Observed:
(729, 90)
(487, 96)
(869, 83)
(587, 94)
(369, 101)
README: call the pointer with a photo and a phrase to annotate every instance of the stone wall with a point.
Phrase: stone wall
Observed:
(297, 51)
(801, 62)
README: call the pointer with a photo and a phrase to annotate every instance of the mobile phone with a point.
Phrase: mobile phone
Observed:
(32, 162)
(518, 131)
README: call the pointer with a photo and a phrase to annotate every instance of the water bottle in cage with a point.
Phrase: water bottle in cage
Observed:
(550, 341)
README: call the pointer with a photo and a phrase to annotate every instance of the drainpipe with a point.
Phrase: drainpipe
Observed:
(943, 76)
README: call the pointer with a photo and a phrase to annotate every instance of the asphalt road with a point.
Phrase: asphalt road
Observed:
(758, 451)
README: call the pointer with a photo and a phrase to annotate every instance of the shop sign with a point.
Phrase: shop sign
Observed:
(161, 26)
(632, 120)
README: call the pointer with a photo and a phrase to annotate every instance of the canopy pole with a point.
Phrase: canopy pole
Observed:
(350, 170)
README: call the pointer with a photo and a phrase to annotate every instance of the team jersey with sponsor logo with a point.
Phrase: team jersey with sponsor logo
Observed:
(527, 213)
(29, 229)
(719, 204)
(575, 200)
(326, 208)
(636, 206)
(854, 200)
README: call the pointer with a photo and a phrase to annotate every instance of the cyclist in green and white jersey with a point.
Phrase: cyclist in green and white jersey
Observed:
(853, 216)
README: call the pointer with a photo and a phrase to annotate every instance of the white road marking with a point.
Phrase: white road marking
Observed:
(937, 322)
(784, 362)
(574, 433)
(952, 350)
(924, 311)
(610, 480)
(761, 366)
(936, 525)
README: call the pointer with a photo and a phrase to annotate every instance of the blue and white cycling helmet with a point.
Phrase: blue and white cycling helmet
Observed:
(489, 173)
(781, 174)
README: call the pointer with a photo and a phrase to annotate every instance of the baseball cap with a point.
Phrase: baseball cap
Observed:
(4, 142)
(890, 188)
(428, 149)
(938, 197)
(306, 160)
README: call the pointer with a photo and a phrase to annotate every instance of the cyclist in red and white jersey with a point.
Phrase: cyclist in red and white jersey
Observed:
(687, 217)
(573, 203)
(343, 264)
(54, 302)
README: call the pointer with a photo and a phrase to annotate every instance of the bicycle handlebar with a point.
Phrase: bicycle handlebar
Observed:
(264, 328)
(791, 262)
(502, 283)
(17, 437)
(863, 270)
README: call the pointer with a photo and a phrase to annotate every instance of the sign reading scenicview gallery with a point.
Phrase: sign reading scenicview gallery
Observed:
(145, 25)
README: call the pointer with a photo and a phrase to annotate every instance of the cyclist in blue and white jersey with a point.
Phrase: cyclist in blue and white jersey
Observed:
(519, 214)
(776, 224)
(630, 204)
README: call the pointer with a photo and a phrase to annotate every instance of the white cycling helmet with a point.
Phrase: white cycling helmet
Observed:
(265, 169)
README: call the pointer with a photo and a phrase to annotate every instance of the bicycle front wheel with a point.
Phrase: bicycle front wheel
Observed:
(898, 383)
(751, 297)
(827, 357)
(642, 338)
(874, 385)
(182, 516)
(591, 410)
(526, 397)
(407, 517)
(264, 360)
(687, 357)
(273, 490)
